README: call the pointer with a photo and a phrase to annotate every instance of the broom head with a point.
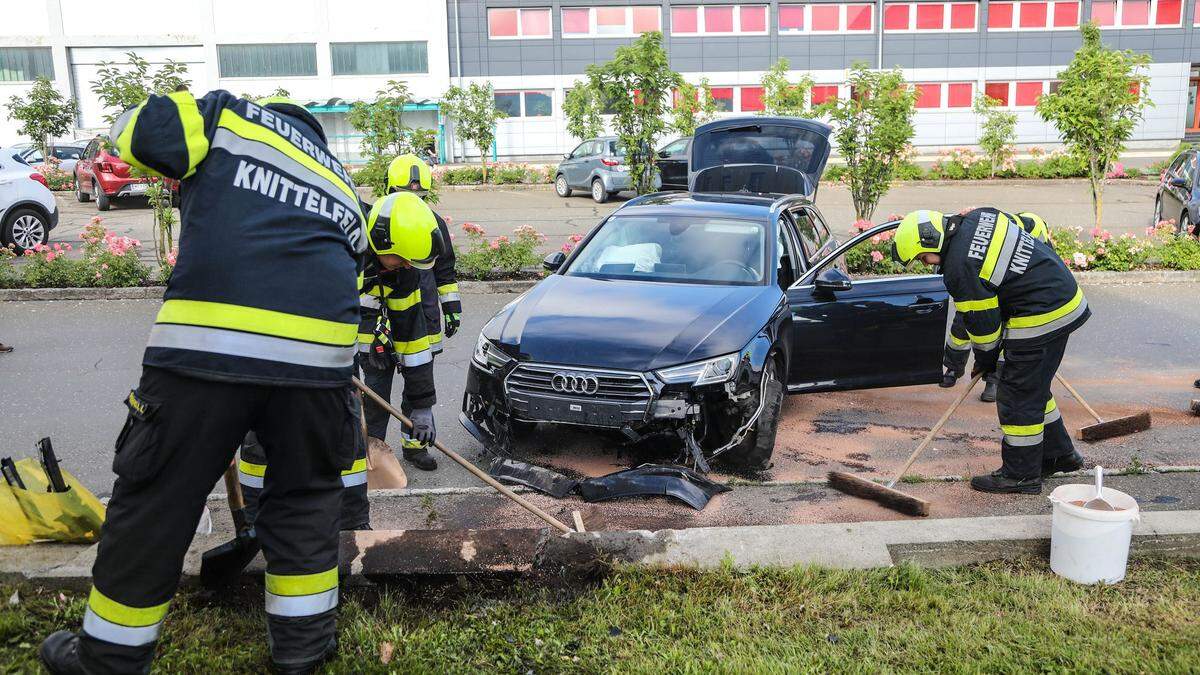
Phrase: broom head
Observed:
(885, 496)
(1121, 426)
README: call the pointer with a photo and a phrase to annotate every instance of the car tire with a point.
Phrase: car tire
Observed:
(599, 194)
(754, 452)
(103, 202)
(1184, 225)
(24, 228)
(1157, 212)
(561, 186)
(80, 195)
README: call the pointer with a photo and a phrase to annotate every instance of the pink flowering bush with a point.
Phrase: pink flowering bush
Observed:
(1160, 248)
(1117, 171)
(108, 260)
(571, 243)
(498, 257)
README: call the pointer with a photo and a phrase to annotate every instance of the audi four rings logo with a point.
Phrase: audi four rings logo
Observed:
(574, 383)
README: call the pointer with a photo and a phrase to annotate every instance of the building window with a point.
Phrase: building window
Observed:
(719, 20)
(267, 60)
(591, 22)
(824, 92)
(23, 64)
(915, 17)
(525, 103)
(826, 18)
(1137, 13)
(516, 24)
(1023, 94)
(752, 99)
(723, 97)
(1062, 15)
(960, 94)
(379, 58)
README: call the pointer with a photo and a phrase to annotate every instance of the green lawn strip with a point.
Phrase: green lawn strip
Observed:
(1001, 617)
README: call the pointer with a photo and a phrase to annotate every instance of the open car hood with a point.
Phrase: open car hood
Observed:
(773, 155)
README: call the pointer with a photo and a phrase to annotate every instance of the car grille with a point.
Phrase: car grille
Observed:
(625, 394)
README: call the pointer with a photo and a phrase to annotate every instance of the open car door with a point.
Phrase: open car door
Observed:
(865, 332)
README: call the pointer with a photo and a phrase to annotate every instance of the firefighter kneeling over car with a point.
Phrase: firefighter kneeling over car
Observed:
(1014, 294)
(405, 239)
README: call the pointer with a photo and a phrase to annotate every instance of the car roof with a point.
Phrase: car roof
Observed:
(746, 206)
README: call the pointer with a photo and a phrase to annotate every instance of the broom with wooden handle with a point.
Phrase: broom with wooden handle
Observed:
(1102, 429)
(458, 459)
(888, 495)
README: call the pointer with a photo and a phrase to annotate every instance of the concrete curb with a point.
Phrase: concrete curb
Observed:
(382, 553)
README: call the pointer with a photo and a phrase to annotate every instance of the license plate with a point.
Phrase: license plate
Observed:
(138, 188)
(574, 412)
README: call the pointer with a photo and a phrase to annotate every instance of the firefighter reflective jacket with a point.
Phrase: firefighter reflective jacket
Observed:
(1009, 287)
(264, 289)
(439, 289)
(958, 343)
(396, 296)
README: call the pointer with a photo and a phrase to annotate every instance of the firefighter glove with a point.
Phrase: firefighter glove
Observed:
(424, 429)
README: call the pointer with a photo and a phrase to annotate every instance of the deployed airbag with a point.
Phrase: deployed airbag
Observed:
(648, 480)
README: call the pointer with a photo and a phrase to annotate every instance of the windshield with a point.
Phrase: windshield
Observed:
(687, 249)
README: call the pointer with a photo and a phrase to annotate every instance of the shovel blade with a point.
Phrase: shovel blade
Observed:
(1121, 426)
(221, 566)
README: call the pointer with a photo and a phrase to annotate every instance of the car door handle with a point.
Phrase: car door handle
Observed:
(925, 306)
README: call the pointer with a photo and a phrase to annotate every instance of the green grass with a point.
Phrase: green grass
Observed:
(1003, 617)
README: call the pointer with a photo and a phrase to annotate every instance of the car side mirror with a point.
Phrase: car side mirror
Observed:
(833, 280)
(663, 154)
(568, 156)
(1178, 181)
(554, 261)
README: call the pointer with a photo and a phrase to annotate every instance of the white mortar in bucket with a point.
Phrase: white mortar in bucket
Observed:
(1087, 545)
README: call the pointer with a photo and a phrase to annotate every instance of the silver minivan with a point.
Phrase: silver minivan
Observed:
(597, 165)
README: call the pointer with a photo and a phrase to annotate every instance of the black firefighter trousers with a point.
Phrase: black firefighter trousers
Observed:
(1033, 428)
(178, 440)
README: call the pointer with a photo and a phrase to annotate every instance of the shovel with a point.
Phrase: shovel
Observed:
(221, 566)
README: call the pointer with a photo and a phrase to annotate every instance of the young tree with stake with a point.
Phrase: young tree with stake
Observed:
(474, 113)
(43, 113)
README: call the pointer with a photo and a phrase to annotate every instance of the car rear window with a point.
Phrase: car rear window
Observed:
(759, 144)
(675, 248)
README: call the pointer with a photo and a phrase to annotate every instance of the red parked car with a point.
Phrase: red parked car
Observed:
(101, 174)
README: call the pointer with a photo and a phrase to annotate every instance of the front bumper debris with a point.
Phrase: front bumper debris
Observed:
(680, 482)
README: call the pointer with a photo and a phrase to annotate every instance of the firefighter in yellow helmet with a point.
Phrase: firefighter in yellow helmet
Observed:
(439, 285)
(1015, 295)
(958, 345)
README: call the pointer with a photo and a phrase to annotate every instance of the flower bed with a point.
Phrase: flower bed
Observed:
(498, 174)
(109, 261)
(966, 164)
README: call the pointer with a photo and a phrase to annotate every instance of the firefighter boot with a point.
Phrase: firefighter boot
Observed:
(60, 653)
(418, 455)
(1000, 482)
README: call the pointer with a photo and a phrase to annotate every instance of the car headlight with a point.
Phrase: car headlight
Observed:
(701, 372)
(488, 355)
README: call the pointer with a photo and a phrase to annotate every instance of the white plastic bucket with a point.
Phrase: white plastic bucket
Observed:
(1087, 545)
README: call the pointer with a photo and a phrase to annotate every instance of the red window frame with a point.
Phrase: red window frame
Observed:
(751, 99)
(929, 95)
(1001, 91)
(821, 93)
(959, 94)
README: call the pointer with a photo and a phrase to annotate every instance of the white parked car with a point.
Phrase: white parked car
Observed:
(27, 208)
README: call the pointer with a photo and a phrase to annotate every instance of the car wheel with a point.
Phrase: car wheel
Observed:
(1184, 225)
(103, 203)
(80, 195)
(25, 228)
(754, 453)
(1157, 212)
(561, 186)
(599, 194)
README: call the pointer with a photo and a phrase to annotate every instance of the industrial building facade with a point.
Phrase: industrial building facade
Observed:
(328, 53)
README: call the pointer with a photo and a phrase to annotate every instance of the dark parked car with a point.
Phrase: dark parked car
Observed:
(67, 155)
(1179, 194)
(673, 164)
(691, 315)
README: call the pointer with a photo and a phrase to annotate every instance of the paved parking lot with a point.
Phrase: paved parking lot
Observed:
(1128, 207)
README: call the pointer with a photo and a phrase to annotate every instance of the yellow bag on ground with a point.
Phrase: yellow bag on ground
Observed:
(73, 516)
(14, 526)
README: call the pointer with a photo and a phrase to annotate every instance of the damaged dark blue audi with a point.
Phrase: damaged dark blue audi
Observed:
(689, 316)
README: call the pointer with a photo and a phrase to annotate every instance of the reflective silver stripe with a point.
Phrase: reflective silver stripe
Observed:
(418, 359)
(449, 297)
(1038, 331)
(436, 347)
(987, 347)
(364, 347)
(1052, 416)
(250, 481)
(368, 301)
(301, 605)
(228, 140)
(1011, 236)
(352, 479)
(958, 348)
(234, 343)
(1023, 441)
(129, 636)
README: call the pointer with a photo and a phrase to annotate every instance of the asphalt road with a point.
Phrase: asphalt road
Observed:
(1128, 207)
(75, 362)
